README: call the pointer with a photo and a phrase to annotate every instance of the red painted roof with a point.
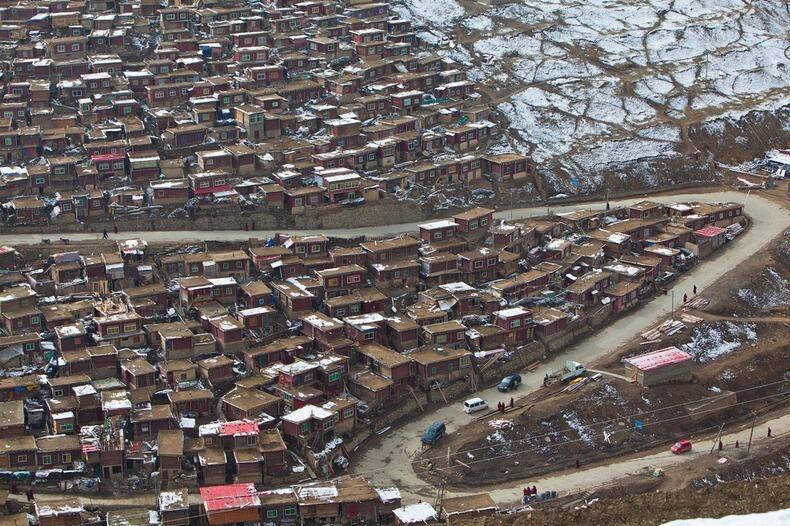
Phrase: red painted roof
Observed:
(659, 358)
(108, 157)
(230, 497)
(239, 428)
(710, 231)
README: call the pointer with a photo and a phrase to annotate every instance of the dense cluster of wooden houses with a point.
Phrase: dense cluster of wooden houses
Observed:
(247, 366)
(112, 107)
(344, 501)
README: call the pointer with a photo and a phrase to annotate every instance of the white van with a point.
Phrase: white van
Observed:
(474, 405)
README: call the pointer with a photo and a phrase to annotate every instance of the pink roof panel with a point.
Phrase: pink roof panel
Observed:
(659, 358)
(230, 497)
(710, 231)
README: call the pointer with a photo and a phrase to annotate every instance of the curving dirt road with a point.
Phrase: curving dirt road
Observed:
(197, 236)
(388, 461)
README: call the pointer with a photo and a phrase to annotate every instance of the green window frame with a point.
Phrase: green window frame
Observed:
(334, 377)
(305, 427)
(290, 511)
(271, 514)
(46, 460)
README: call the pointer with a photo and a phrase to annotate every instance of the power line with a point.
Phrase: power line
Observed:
(616, 419)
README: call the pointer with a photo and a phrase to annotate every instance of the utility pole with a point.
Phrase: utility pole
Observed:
(673, 303)
(751, 433)
(718, 437)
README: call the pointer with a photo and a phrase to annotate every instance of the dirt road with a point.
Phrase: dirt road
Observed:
(754, 202)
(577, 481)
(389, 460)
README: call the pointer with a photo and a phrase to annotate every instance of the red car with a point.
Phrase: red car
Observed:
(681, 446)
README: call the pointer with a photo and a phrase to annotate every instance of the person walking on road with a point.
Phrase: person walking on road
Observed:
(769, 432)
(512, 403)
(685, 298)
(578, 464)
(721, 445)
(695, 290)
(104, 234)
(737, 444)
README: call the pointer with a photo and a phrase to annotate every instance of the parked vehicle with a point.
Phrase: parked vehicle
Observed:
(508, 383)
(434, 432)
(473, 405)
(572, 371)
(681, 446)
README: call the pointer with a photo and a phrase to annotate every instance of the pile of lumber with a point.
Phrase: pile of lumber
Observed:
(697, 303)
(668, 328)
(688, 318)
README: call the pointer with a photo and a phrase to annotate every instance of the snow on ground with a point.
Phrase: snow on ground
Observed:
(600, 82)
(573, 421)
(773, 291)
(442, 13)
(771, 518)
(714, 340)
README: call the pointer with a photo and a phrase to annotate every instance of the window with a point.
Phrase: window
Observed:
(441, 338)
(228, 291)
(484, 221)
(34, 320)
(479, 263)
(252, 440)
(340, 312)
(290, 511)
(315, 248)
(159, 94)
(61, 48)
(305, 427)
(334, 377)
(42, 180)
(271, 514)
(515, 323)
(331, 282)
(433, 369)
(75, 47)
(65, 458)
(353, 279)
(144, 428)
(370, 335)
(129, 327)
(30, 346)
(21, 459)
(354, 309)
(46, 460)
(113, 330)
(491, 262)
